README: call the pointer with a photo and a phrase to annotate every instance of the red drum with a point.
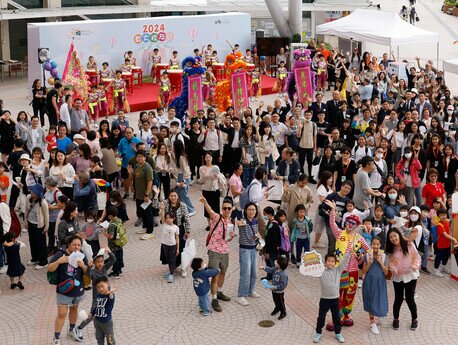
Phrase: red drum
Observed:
(159, 68)
(93, 76)
(219, 71)
(136, 70)
(249, 68)
(129, 79)
(175, 79)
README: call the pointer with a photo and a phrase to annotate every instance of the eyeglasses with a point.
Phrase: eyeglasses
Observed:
(227, 208)
(345, 153)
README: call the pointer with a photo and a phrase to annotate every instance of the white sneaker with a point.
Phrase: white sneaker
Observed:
(254, 294)
(443, 269)
(140, 231)
(31, 263)
(360, 283)
(242, 301)
(147, 237)
(25, 230)
(374, 329)
(191, 182)
(184, 274)
(437, 273)
(56, 341)
(4, 269)
(38, 267)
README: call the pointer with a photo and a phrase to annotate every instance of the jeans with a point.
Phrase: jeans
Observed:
(269, 164)
(409, 289)
(301, 244)
(418, 200)
(325, 305)
(119, 263)
(248, 261)
(247, 176)
(271, 263)
(2, 261)
(442, 256)
(204, 302)
(183, 193)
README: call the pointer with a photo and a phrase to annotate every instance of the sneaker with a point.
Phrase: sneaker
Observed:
(56, 341)
(140, 231)
(170, 278)
(20, 286)
(396, 324)
(166, 274)
(111, 274)
(147, 237)
(184, 274)
(138, 222)
(192, 213)
(205, 313)
(32, 263)
(360, 283)
(275, 311)
(282, 316)
(374, 329)
(254, 294)
(222, 297)
(75, 333)
(414, 325)
(293, 259)
(4, 269)
(316, 338)
(216, 306)
(443, 269)
(116, 276)
(340, 338)
(425, 270)
(13, 286)
(39, 267)
(242, 301)
(437, 273)
(312, 181)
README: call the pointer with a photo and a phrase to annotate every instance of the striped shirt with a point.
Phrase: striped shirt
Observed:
(247, 234)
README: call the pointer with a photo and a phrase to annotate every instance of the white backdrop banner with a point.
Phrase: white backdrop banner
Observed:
(108, 40)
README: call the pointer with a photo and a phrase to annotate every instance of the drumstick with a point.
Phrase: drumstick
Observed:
(230, 45)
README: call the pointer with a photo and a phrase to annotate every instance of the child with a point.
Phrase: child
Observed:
(370, 139)
(93, 103)
(375, 296)
(200, 275)
(282, 78)
(91, 231)
(174, 61)
(279, 284)
(103, 321)
(329, 283)
(367, 232)
(98, 269)
(300, 234)
(321, 75)
(103, 102)
(105, 73)
(126, 67)
(381, 223)
(51, 138)
(13, 256)
(255, 83)
(170, 242)
(112, 233)
(442, 249)
(398, 222)
(165, 86)
(390, 183)
(156, 59)
(145, 134)
(351, 209)
(4, 181)
(119, 92)
(116, 201)
(208, 80)
(424, 246)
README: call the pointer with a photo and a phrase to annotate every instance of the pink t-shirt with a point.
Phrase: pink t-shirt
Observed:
(218, 242)
(235, 181)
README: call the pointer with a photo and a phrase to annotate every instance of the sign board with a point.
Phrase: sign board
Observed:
(311, 264)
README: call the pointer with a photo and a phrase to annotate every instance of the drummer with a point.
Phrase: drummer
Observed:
(248, 58)
(214, 57)
(156, 59)
(91, 64)
(105, 73)
(119, 91)
(126, 67)
(197, 53)
(130, 56)
(174, 62)
(207, 55)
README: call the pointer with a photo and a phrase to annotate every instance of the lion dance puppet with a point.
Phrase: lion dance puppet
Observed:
(233, 64)
(301, 60)
(191, 66)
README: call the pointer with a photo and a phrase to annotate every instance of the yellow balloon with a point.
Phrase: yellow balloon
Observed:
(51, 81)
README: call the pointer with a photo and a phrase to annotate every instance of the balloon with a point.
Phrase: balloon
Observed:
(112, 41)
(53, 64)
(263, 58)
(193, 33)
(101, 182)
(47, 66)
(51, 81)
(54, 72)
(217, 36)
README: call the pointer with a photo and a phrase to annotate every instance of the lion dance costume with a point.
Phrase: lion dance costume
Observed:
(301, 60)
(233, 64)
(347, 241)
(191, 66)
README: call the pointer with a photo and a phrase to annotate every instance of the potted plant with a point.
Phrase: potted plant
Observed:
(455, 9)
(448, 4)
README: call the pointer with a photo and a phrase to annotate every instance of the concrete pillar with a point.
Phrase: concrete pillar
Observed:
(52, 4)
(279, 17)
(295, 16)
(5, 52)
(142, 2)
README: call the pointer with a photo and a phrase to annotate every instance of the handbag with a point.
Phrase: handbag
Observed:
(67, 285)
(101, 199)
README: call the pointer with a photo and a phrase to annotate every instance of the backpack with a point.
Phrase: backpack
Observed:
(121, 235)
(245, 196)
(309, 224)
(15, 223)
(285, 244)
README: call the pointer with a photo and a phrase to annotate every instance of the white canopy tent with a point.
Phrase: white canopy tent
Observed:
(378, 27)
(451, 66)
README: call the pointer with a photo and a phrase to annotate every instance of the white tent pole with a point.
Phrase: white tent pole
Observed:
(437, 55)
(351, 48)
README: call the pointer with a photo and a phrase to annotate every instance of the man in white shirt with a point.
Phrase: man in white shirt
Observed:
(35, 135)
(279, 131)
(257, 194)
(212, 141)
(65, 112)
(171, 117)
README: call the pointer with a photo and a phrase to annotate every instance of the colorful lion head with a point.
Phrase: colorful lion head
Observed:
(192, 65)
(302, 58)
(234, 62)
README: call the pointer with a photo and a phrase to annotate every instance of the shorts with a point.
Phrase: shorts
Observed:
(68, 300)
(124, 173)
(217, 260)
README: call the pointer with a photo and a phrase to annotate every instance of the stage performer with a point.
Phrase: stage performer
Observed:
(248, 58)
(348, 240)
(126, 67)
(207, 55)
(214, 57)
(282, 77)
(190, 66)
(92, 65)
(255, 83)
(223, 97)
(93, 102)
(103, 102)
(155, 58)
(301, 60)
(165, 90)
(208, 82)
(129, 55)
(105, 73)
(322, 74)
(119, 91)
(174, 62)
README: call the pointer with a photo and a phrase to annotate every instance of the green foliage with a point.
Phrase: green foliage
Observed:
(297, 38)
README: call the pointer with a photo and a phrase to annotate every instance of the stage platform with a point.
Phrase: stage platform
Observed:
(147, 97)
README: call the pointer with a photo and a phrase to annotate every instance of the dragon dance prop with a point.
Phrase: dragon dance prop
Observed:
(223, 91)
(191, 66)
(302, 61)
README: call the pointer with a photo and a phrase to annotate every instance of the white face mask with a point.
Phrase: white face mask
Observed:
(408, 155)
(393, 196)
(450, 112)
(414, 217)
(403, 214)
(266, 218)
(379, 155)
(90, 220)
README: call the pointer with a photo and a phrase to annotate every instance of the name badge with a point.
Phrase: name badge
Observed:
(436, 163)
(345, 137)
(82, 122)
(344, 178)
(446, 174)
(70, 229)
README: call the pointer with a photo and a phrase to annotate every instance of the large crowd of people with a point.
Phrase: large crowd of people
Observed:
(376, 156)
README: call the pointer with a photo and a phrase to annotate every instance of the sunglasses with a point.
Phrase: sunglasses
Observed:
(227, 208)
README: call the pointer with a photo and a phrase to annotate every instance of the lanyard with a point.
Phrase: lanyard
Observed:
(435, 152)
(344, 170)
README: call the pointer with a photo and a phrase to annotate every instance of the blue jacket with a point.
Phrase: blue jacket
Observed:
(201, 282)
(103, 307)
(279, 279)
(294, 170)
(85, 197)
(126, 151)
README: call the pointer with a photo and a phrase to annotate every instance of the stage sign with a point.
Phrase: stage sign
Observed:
(239, 91)
(195, 101)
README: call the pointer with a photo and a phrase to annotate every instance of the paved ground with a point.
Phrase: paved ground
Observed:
(150, 311)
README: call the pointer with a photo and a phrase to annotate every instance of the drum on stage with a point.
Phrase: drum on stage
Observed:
(93, 76)
(250, 67)
(219, 71)
(159, 68)
(129, 79)
(137, 70)
(175, 79)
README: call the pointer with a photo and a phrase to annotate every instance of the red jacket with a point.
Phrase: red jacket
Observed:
(415, 167)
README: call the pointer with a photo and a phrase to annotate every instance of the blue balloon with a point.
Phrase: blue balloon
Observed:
(53, 64)
(263, 58)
